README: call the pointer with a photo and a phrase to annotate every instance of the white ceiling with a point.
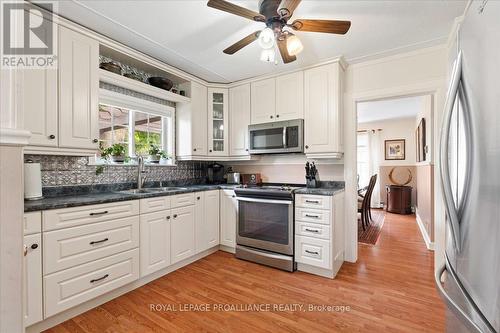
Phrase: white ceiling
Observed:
(407, 107)
(191, 36)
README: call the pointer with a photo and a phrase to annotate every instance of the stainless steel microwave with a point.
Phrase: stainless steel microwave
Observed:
(277, 138)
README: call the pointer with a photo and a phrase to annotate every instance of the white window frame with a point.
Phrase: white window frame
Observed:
(131, 103)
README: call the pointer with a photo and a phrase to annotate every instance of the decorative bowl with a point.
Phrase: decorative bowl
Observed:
(161, 82)
(111, 67)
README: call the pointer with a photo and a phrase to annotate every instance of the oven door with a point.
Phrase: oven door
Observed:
(265, 224)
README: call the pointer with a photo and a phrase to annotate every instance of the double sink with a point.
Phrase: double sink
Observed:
(153, 190)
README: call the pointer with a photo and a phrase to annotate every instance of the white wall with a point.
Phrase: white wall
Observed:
(408, 74)
(394, 129)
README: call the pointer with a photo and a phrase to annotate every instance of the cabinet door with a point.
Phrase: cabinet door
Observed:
(155, 241)
(239, 116)
(323, 128)
(207, 220)
(263, 101)
(228, 218)
(32, 278)
(199, 118)
(78, 90)
(290, 96)
(182, 233)
(217, 122)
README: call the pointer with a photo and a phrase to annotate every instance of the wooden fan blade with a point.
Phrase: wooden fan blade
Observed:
(287, 7)
(236, 10)
(242, 43)
(284, 52)
(328, 26)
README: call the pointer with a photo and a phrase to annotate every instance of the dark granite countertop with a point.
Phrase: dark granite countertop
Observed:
(73, 199)
(326, 188)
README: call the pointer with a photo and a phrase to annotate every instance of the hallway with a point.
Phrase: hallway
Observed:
(389, 289)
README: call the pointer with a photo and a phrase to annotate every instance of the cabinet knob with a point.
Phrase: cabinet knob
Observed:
(246, 149)
(194, 149)
(34, 246)
(271, 117)
(233, 196)
(277, 116)
(95, 141)
(198, 198)
(175, 216)
(52, 137)
(210, 151)
(168, 217)
(307, 147)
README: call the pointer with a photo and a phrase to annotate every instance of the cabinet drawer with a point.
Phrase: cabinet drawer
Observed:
(312, 251)
(74, 246)
(155, 204)
(313, 201)
(312, 215)
(32, 223)
(74, 286)
(70, 217)
(312, 230)
(181, 200)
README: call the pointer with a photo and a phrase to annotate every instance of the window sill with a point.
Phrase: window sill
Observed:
(97, 161)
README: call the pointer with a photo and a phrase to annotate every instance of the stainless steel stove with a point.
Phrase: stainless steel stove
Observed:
(264, 233)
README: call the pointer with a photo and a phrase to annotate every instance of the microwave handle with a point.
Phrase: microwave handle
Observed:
(284, 137)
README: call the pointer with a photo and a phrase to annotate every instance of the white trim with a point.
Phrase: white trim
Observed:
(143, 88)
(113, 98)
(423, 231)
(40, 150)
(14, 137)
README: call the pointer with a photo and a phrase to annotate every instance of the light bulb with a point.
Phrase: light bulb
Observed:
(266, 38)
(294, 45)
(267, 55)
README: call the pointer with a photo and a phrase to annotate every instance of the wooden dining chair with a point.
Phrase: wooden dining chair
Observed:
(364, 203)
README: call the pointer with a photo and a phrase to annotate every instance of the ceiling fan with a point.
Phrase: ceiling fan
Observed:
(275, 14)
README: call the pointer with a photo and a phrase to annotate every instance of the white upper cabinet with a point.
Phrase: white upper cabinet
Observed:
(263, 101)
(218, 122)
(239, 119)
(323, 111)
(191, 121)
(78, 62)
(290, 96)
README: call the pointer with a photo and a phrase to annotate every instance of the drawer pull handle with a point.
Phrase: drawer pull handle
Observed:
(312, 201)
(99, 241)
(314, 216)
(312, 252)
(312, 230)
(99, 279)
(99, 213)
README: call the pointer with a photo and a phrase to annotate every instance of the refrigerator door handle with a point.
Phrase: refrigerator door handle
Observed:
(444, 165)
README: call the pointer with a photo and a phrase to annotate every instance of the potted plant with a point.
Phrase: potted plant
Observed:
(156, 153)
(116, 152)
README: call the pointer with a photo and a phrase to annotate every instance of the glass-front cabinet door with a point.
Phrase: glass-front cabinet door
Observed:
(218, 122)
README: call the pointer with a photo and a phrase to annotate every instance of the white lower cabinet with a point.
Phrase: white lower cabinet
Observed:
(207, 220)
(228, 218)
(155, 241)
(182, 233)
(70, 287)
(32, 279)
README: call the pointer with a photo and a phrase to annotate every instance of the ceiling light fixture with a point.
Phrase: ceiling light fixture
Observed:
(293, 44)
(266, 38)
(267, 55)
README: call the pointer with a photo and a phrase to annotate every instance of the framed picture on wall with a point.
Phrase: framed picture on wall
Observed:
(421, 144)
(395, 149)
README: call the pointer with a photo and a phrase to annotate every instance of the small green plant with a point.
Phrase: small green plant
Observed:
(116, 150)
(156, 151)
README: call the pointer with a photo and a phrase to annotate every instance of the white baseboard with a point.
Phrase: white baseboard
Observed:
(423, 231)
(79, 309)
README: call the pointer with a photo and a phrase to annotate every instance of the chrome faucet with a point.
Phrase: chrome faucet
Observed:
(140, 172)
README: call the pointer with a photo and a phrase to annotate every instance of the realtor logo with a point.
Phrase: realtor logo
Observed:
(28, 35)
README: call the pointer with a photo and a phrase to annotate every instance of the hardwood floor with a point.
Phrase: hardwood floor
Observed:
(389, 289)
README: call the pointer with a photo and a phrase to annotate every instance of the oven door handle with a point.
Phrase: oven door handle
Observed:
(281, 202)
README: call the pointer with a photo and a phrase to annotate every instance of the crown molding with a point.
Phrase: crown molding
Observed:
(14, 137)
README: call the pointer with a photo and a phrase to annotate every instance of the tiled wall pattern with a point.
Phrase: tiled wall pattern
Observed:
(74, 170)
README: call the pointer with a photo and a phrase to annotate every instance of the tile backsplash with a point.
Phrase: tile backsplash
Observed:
(74, 170)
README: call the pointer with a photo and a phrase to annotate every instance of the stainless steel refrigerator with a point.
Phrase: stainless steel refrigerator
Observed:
(470, 175)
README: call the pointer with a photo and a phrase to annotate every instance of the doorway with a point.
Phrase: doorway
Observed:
(394, 163)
